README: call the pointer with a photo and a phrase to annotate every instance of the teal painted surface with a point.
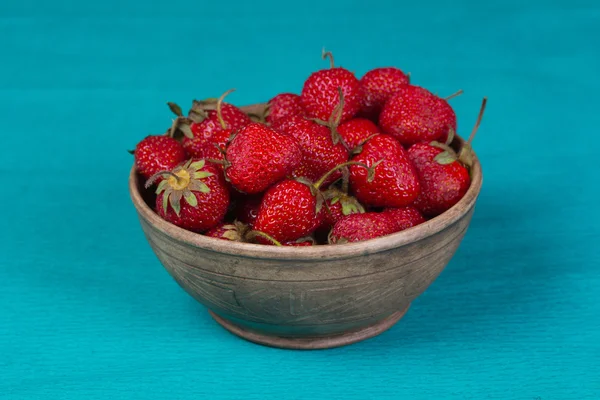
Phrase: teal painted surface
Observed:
(86, 310)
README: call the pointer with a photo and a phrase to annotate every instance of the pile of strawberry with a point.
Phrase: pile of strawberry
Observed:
(346, 160)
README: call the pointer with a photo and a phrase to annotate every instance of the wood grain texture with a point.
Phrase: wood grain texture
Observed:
(86, 309)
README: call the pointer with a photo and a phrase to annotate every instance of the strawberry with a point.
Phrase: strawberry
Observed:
(213, 148)
(415, 115)
(292, 208)
(337, 205)
(283, 105)
(376, 87)
(205, 196)
(319, 153)
(208, 117)
(443, 175)
(356, 131)
(246, 209)
(405, 217)
(358, 227)
(320, 94)
(258, 157)
(395, 183)
(229, 231)
(157, 153)
(288, 211)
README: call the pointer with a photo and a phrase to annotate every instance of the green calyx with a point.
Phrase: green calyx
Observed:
(350, 205)
(180, 183)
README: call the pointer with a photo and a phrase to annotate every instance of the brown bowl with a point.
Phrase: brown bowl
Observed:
(308, 297)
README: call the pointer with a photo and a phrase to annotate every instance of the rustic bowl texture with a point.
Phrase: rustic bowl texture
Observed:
(307, 297)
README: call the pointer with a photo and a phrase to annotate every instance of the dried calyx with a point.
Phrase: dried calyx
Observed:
(350, 204)
(253, 235)
(183, 181)
(235, 231)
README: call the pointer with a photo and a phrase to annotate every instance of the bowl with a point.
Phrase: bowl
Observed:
(307, 297)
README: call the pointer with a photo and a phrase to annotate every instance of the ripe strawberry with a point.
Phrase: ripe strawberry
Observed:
(234, 232)
(443, 175)
(337, 205)
(209, 149)
(405, 217)
(288, 211)
(246, 209)
(415, 115)
(208, 117)
(204, 193)
(258, 157)
(358, 227)
(357, 131)
(320, 94)
(157, 153)
(283, 105)
(443, 185)
(376, 87)
(395, 183)
(319, 153)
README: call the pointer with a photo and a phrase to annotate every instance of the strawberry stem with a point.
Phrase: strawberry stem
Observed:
(219, 105)
(157, 175)
(333, 170)
(329, 54)
(254, 234)
(478, 122)
(453, 95)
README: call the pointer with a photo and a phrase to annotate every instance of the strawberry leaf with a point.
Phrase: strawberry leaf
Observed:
(445, 158)
(162, 186)
(190, 198)
(451, 135)
(196, 165)
(202, 174)
(165, 202)
(175, 200)
(231, 234)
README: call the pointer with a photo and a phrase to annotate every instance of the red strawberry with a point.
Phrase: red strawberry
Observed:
(320, 94)
(395, 183)
(283, 105)
(405, 217)
(209, 117)
(157, 153)
(357, 131)
(337, 205)
(443, 174)
(288, 211)
(415, 115)
(376, 87)
(234, 232)
(210, 147)
(319, 154)
(247, 209)
(205, 196)
(258, 156)
(358, 227)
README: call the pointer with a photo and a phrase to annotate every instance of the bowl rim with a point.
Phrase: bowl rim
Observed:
(323, 252)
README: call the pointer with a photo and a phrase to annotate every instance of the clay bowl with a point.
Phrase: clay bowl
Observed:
(307, 297)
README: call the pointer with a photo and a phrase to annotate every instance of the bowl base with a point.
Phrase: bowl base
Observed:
(311, 343)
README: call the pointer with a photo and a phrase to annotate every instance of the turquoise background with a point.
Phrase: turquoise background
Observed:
(86, 310)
